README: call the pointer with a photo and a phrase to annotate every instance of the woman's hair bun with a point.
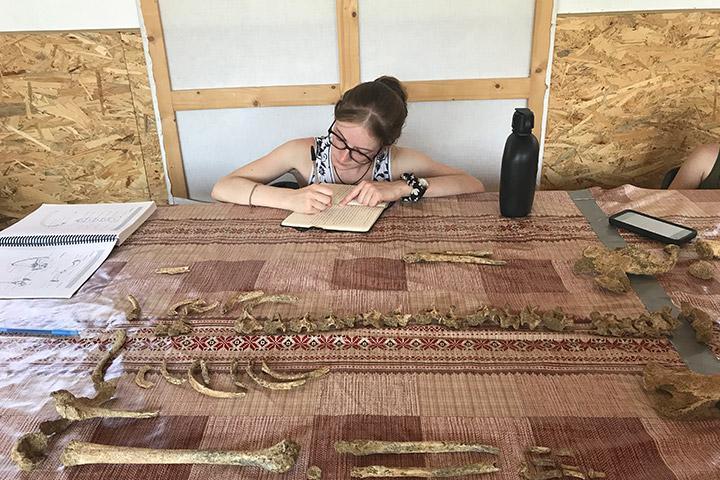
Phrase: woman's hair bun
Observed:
(395, 85)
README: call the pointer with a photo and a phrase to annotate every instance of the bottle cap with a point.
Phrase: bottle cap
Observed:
(523, 121)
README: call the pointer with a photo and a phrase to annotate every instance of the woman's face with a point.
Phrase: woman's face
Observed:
(356, 137)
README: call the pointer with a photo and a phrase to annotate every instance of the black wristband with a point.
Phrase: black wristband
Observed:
(418, 186)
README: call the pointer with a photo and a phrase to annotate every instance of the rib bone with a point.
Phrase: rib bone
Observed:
(294, 376)
(98, 374)
(210, 392)
(168, 376)
(273, 385)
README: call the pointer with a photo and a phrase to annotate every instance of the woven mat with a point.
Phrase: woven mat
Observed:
(511, 389)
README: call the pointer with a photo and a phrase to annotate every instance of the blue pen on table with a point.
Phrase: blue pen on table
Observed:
(39, 331)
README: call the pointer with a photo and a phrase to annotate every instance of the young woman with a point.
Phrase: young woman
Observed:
(359, 149)
(700, 170)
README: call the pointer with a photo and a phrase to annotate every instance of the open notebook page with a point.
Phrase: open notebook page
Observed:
(353, 217)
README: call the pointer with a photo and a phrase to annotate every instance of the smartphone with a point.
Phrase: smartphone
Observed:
(652, 227)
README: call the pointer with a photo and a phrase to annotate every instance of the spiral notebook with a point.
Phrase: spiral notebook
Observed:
(54, 250)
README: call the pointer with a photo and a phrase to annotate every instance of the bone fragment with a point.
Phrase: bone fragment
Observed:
(276, 298)
(98, 373)
(708, 249)
(614, 280)
(649, 324)
(455, 257)
(82, 408)
(539, 450)
(204, 373)
(701, 269)
(469, 253)
(700, 321)
(372, 447)
(279, 458)
(133, 312)
(29, 451)
(140, 379)
(676, 392)
(304, 324)
(205, 390)
(177, 327)
(240, 298)
(314, 473)
(294, 376)
(632, 259)
(168, 376)
(179, 307)
(191, 306)
(247, 323)
(273, 385)
(377, 471)
(173, 270)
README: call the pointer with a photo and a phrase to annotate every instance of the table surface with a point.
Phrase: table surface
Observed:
(511, 389)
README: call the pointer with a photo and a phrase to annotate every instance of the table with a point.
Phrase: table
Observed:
(511, 389)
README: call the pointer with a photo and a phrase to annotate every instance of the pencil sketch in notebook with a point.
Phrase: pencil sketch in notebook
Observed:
(61, 274)
(32, 263)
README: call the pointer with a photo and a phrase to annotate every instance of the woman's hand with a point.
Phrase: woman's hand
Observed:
(372, 193)
(311, 199)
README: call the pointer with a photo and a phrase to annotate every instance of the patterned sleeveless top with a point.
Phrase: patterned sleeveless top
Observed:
(326, 172)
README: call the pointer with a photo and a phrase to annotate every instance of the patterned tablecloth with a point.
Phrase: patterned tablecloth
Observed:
(511, 389)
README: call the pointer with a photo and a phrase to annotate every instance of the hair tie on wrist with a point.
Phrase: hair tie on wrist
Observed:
(418, 186)
(251, 194)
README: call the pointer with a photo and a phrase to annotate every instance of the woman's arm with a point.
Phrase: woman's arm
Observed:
(696, 168)
(442, 180)
(237, 186)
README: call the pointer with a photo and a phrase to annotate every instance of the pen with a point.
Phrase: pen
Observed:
(38, 331)
(312, 157)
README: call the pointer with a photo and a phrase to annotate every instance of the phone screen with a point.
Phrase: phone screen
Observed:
(652, 225)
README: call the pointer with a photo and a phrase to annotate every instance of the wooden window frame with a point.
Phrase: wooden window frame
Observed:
(170, 101)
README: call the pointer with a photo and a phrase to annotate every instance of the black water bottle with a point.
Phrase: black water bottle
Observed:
(519, 166)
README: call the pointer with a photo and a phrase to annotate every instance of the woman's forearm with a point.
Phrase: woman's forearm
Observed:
(238, 190)
(453, 185)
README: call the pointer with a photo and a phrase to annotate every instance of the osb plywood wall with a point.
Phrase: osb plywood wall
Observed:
(76, 121)
(630, 95)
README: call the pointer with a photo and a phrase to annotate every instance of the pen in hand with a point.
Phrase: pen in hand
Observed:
(314, 163)
(316, 180)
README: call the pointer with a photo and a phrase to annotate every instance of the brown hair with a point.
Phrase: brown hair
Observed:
(380, 105)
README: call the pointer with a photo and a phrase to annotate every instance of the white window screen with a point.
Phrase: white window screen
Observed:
(240, 43)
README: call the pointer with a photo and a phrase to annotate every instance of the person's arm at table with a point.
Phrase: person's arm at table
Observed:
(251, 179)
(442, 180)
(696, 168)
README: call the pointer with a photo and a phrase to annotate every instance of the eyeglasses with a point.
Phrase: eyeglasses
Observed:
(355, 155)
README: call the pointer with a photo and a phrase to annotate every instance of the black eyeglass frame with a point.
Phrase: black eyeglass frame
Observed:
(347, 147)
